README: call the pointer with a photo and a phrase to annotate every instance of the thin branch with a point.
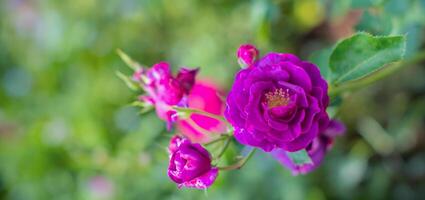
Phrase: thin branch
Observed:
(240, 163)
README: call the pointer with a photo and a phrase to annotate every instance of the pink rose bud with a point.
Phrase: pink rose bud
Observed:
(158, 72)
(203, 96)
(170, 91)
(186, 78)
(247, 54)
(190, 166)
(164, 91)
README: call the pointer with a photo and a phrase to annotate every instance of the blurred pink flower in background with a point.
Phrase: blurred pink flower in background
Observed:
(101, 188)
(204, 96)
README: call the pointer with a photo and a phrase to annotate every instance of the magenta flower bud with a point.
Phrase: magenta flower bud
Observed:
(175, 141)
(158, 72)
(203, 96)
(186, 78)
(247, 54)
(164, 91)
(316, 150)
(278, 102)
(170, 91)
(190, 166)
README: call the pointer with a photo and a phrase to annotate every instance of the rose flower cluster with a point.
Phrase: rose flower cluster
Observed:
(277, 103)
(163, 90)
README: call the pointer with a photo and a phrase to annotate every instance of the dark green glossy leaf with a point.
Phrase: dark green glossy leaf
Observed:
(362, 54)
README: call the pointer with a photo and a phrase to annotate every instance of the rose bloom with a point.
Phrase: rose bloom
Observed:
(163, 90)
(190, 164)
(316, 150)
(203, 96)
(279, 101)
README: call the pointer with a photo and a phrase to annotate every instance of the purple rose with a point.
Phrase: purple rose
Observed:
(278, 102)
(316, 150)
(190, 164)
(163, 90)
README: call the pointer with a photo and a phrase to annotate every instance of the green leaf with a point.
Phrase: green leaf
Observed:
(127, 59)
(300, 157)
(332, 111)
(321, 59)
(336, 101)
(146, 110)
(183, 113)
(130, 83)
(145, 107)
(362, 54)
(140, 104)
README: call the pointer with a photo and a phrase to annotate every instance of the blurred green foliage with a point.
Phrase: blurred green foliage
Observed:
(66, 132)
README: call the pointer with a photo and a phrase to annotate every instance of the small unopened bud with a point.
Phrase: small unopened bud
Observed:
(247, 54)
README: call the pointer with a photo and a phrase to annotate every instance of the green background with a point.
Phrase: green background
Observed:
(65, 119)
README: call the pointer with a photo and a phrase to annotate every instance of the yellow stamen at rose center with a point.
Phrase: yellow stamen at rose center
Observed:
(277, 97)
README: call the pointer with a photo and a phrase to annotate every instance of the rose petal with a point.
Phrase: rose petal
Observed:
(335, 128)
(254, 117)
(158, 72)
(302, 141)
(273, 58)
(298, 76)
(202, 182)
(186, 78)
(316, 157)
(253, 139)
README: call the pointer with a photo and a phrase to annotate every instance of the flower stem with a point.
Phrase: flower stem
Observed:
(240, 163)
(201, 112)
(128, 60)
(376, 76)
(223, 149)
(222, 137)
